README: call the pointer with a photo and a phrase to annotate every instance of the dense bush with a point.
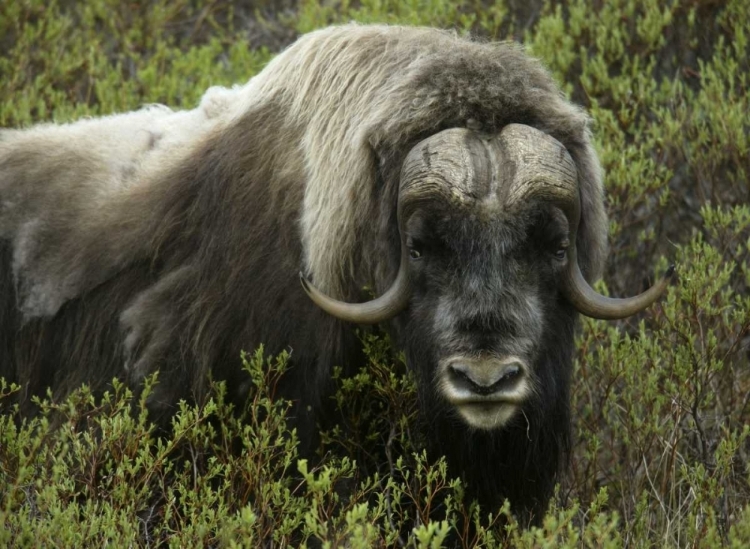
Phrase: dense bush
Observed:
(661, 401)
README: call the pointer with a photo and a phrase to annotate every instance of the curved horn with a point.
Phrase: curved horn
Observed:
(590, 303)
(545, 170)
(436, 166)
(380, 309)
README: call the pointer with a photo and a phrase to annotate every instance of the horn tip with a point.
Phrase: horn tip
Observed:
(670, 272)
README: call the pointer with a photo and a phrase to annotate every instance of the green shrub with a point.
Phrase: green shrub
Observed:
(661, 401)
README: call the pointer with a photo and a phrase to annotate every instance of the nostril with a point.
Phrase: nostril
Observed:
(483, 382)
(507, 378)
(460, 374)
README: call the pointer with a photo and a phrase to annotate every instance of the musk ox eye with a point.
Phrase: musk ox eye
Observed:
(562, 250)
(415, 248)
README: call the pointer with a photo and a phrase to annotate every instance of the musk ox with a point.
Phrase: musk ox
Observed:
(448, 175)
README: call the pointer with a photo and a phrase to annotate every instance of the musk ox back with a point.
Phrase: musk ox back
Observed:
(451, 176)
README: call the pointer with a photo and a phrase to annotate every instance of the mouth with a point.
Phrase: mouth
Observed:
(487, 416)
(486, 392)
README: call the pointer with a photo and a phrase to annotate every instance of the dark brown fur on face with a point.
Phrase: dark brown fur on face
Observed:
(121, 255)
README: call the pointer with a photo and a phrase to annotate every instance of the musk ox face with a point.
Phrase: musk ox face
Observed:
(483, 290)
(488, 269)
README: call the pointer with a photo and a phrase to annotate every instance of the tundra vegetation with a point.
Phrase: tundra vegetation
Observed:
(661, 401)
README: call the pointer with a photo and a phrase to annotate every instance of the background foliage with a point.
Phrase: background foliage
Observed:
(661, 401)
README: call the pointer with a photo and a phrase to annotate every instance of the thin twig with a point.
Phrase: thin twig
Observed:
(389, 508)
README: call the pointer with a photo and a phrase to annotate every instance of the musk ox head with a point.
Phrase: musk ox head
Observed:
(489, 266)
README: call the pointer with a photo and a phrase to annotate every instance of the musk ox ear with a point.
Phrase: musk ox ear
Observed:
(58, 187)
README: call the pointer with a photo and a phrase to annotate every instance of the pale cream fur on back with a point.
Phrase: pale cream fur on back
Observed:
(74, 174)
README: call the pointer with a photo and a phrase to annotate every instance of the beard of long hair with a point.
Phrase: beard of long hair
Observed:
(522, 461)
